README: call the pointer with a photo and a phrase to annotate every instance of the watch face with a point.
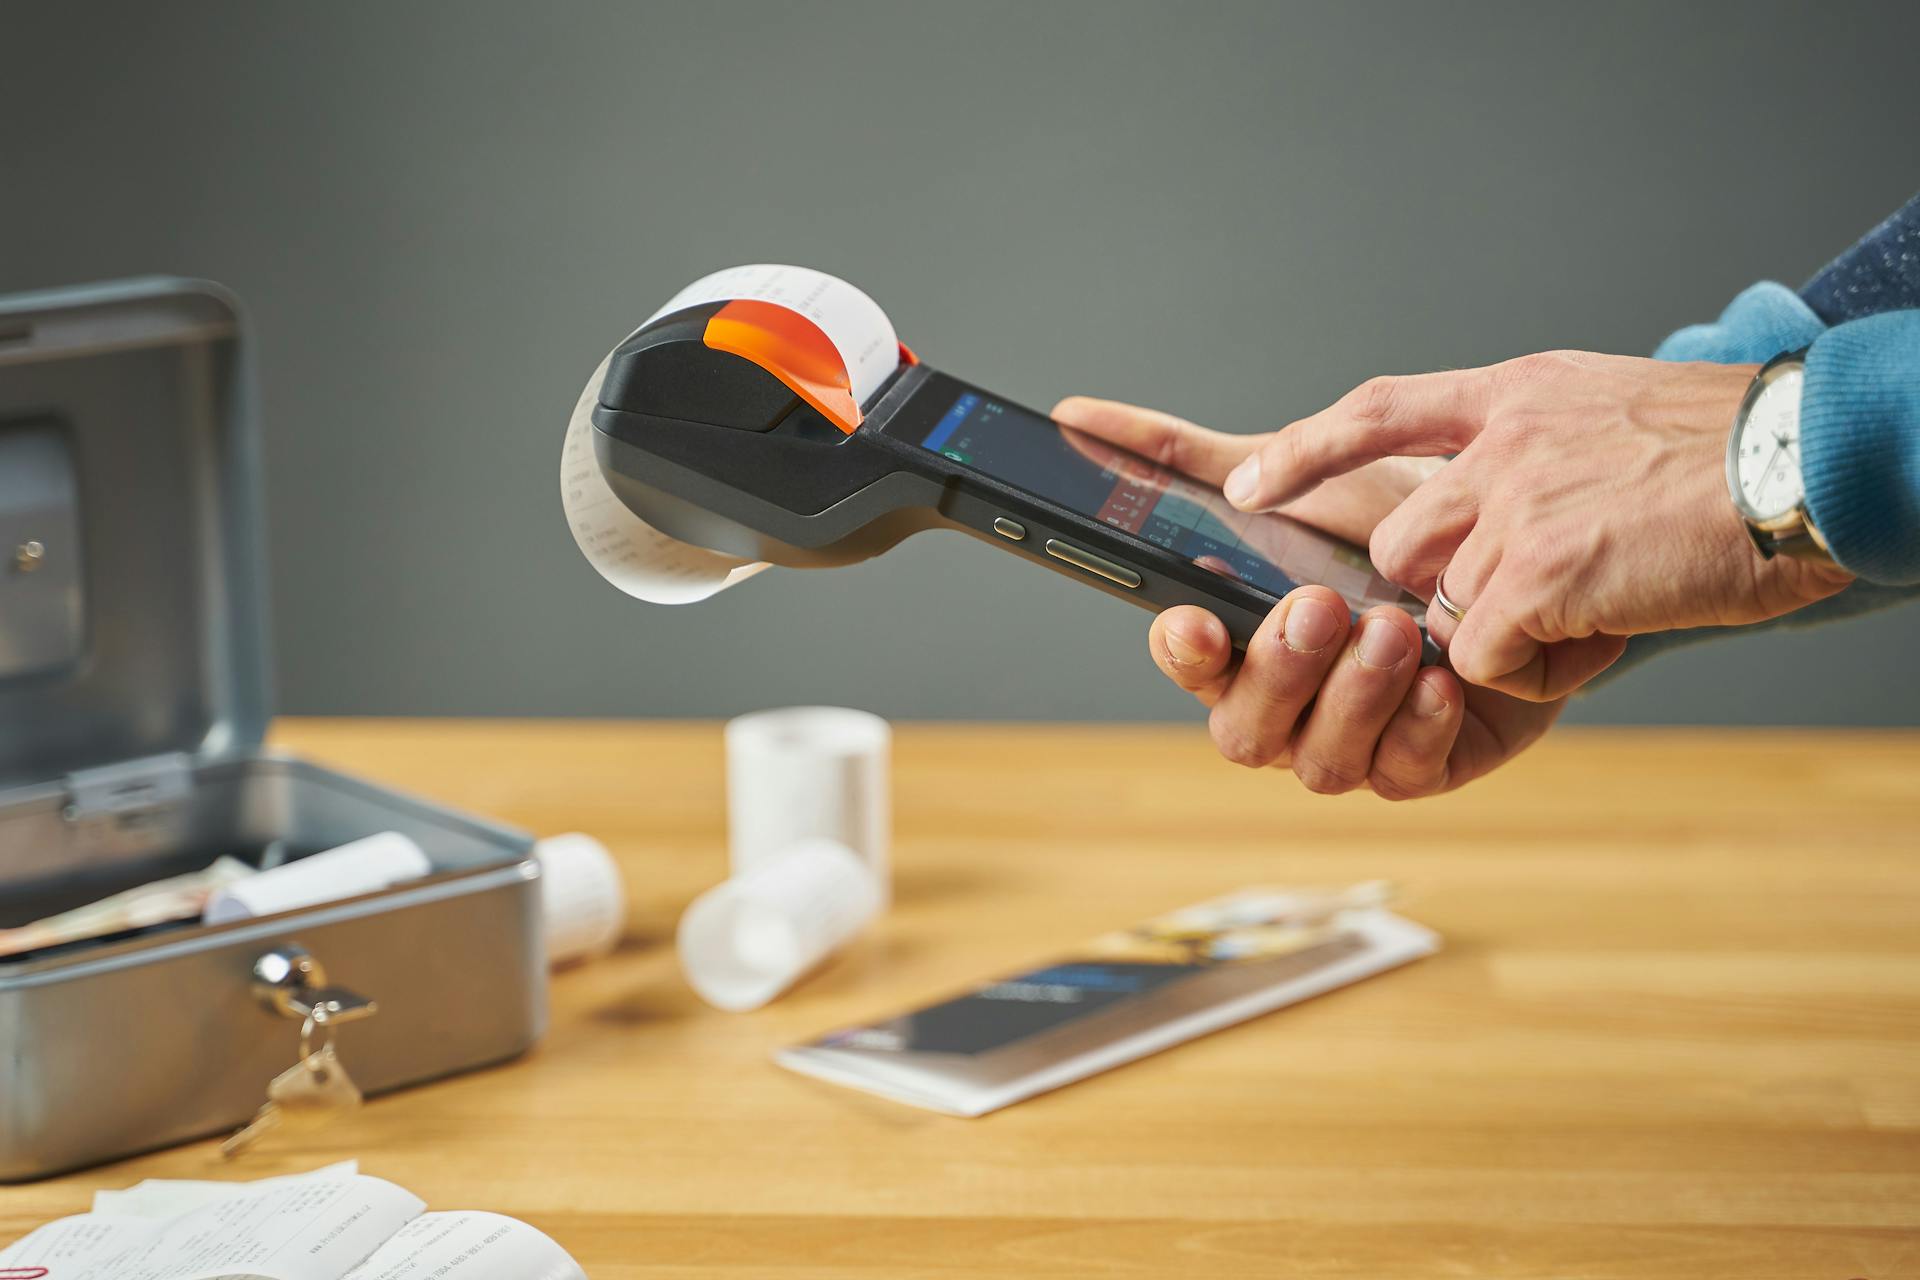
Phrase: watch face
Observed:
(1767, 462)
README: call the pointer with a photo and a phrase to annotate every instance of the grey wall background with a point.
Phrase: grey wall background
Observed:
(443, 214)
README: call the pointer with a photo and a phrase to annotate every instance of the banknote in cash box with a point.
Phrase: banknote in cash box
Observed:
(134, 700)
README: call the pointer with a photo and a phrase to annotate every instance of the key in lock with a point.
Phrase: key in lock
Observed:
(317, 1088)
(292, 983)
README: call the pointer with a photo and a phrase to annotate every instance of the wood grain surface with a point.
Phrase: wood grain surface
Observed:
(1675, 1030)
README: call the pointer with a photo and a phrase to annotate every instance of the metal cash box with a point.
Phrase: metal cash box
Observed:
(134, 694)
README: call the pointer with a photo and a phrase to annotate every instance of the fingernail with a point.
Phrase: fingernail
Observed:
(1310, 625)
(1382, 644)
(1427, 700)
(1182, 651)
(1243, 481)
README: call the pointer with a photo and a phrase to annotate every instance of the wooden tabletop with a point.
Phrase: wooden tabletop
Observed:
(1675, 1030)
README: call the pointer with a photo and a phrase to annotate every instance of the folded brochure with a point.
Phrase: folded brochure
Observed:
(1120, 997)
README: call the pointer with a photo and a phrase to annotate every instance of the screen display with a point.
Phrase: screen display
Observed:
(1121, 489)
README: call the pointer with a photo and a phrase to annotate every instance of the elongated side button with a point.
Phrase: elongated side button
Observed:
(1099, 566)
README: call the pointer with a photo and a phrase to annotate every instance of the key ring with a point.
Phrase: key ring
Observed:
(314, 1023)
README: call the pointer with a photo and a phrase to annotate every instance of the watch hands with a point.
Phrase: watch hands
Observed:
(1767, 471)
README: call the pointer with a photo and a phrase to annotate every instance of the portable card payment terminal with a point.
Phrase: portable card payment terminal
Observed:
(770, 415)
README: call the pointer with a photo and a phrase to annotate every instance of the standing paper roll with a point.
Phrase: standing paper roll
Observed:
(804, 772)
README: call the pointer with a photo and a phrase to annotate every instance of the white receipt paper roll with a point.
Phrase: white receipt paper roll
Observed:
(801, 772)
(583, 899)
(748, 939)
(632, 554)
(360, 867)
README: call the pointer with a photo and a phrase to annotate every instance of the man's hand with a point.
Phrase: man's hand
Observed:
(1347, 506)
(1587, 503)
(1343, 705)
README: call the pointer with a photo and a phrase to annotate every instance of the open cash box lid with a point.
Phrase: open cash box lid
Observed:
(132, 604)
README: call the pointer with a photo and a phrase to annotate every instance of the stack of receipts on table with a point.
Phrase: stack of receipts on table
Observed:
(332, 1224)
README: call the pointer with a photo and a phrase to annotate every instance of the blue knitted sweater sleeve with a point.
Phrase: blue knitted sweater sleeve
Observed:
(1860, 445)
(1860, 411)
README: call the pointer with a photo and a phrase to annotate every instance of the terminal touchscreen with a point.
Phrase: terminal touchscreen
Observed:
(1135, 497)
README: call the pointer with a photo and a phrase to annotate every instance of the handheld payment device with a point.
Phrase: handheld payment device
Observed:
(770, 415)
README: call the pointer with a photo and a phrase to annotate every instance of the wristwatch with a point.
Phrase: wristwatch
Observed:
(1763, 463)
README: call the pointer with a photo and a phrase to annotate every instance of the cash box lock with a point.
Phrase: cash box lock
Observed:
(293, 984)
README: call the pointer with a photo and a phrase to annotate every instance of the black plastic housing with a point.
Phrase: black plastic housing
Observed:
(716, 451)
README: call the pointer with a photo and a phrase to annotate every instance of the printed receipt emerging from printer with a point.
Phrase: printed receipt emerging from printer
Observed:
(632, 554)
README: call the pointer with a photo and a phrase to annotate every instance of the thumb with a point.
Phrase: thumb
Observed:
(1494, 651)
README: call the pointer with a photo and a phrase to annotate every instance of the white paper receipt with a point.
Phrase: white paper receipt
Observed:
(480, 1244)
(298, 1229)
(328, 1225)
(629, 552)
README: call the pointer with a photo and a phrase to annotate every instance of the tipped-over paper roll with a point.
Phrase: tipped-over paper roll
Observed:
(583, 900)
(632, 554)
(748, 939)
(352, 869)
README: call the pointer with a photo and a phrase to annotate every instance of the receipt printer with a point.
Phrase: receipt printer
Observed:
(769, 415)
